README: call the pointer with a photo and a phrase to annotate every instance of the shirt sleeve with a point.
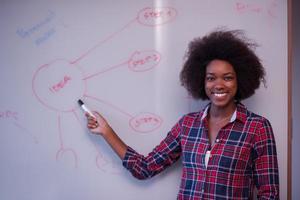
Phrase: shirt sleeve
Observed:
(266, 175)
(162, 156)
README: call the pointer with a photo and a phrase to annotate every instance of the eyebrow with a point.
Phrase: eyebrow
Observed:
(228, 73)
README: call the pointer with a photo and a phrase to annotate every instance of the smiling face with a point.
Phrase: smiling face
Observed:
(220, 83)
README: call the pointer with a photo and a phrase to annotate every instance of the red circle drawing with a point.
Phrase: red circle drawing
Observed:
(156, 16)
(58, 85)
(141, 61)
(145, 122)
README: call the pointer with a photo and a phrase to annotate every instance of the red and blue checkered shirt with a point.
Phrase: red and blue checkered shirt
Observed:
(243, 156)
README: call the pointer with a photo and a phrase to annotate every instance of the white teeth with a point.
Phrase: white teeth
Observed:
(219, 94)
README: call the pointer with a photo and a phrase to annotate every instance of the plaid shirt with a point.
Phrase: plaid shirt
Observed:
(244, 155)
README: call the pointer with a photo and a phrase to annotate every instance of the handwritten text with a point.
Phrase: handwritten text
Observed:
(8, 114)
(57, 87)
(156, 16)
(145, 122)
(143, 60)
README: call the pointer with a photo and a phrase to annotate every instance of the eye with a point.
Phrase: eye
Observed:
(228, 78)
(210, 78)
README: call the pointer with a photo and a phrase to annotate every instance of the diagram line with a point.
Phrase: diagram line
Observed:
(111, 105)
(103, 41)
(106, 70)
(59, 131)
(26, 131)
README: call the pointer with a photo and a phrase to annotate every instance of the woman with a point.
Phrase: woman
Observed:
(225, 148)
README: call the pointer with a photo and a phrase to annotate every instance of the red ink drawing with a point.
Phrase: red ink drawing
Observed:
(144, 60)
(57, 87)
(145, 122)
(106, 164)
(26, 131)
(14, 117)
(272, 9)
(246, 7)
(110, 37)
(63, 151)
(156, 16)
(265, 9)
(8, 114)
(58, 84)
(65, 83)
(150, 17)
(139, 61)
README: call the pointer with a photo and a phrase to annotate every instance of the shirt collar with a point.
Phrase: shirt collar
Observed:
(240, 113)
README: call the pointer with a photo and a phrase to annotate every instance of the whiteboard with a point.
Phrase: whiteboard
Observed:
(123, 58)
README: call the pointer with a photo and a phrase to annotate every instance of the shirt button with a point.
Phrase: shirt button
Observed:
(217, 140)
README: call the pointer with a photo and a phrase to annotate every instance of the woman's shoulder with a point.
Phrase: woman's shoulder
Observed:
(255, 117)
(191, 118)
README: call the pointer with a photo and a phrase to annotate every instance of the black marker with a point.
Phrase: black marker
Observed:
(84, 108)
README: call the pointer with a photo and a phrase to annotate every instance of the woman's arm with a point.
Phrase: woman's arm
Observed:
(141, 167)
(99, 126)
(266, 173)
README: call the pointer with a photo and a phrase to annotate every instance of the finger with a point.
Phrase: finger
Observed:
(91, 118)
(96, 114)
(93, 125)
(92, 121)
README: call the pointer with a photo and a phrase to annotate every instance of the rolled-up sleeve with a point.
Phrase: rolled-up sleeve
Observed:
(162, 156)
(266, 173)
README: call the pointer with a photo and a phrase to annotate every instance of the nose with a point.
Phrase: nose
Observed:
(219, 84)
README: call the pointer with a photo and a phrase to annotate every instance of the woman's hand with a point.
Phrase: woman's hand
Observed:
(98, 125)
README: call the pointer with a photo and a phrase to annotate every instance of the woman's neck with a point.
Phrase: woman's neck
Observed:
(222, 112)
